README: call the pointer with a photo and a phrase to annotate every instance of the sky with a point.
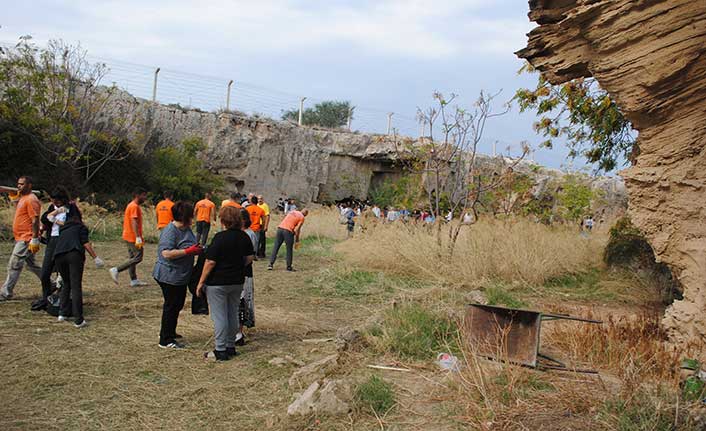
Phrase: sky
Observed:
(382, 55)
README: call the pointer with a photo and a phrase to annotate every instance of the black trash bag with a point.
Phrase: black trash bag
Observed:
(53, 301)
(198, 305)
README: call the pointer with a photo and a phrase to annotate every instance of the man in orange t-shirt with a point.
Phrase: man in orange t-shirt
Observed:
(132, 235)
(164, 211)
(257, 214)
(204, 213)
(234, 201)
(25, 228)
(288, 232)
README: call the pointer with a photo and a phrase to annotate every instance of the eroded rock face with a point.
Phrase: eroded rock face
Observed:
(650, 55)
(274, 158)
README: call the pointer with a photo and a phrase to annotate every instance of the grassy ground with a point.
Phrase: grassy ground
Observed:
(112, 375)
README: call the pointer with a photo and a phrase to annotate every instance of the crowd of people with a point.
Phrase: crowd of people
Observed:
(222, 270)
(350, 209)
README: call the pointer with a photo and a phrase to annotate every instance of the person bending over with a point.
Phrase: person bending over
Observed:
(288, 232)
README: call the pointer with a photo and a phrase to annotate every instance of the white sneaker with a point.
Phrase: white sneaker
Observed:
(137, 283)
(83, 324)
(114, 274)
(62, 319)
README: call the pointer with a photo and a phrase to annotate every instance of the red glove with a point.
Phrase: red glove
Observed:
(193, 250)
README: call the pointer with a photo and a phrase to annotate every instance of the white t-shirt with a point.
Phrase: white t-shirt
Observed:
(61, 217)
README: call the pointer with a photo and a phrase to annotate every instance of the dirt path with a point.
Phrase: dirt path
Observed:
(112, 375)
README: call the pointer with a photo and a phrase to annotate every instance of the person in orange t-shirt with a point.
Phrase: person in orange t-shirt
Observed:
(205, 214)
(234, 201)
(288, 232)
(257, 214)
(164, 210)
(25, 228)
(132, 235)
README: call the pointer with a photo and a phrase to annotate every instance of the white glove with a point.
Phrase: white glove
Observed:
(61, 210)
(138, 242)
(99, 262)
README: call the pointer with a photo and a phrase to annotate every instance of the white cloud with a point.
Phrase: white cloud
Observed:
(414, 29)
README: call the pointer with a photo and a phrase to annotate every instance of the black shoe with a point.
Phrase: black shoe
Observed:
(269, 267)
(216, 355)
(240, 341)
(230, 351)
(39, 304)
(290, 269)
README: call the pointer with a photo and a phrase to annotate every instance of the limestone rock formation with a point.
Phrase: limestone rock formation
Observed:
(275, 158)
(650, 55)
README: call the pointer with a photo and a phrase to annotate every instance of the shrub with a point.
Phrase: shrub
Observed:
(628, 248)
(414, 332)
(375, 393)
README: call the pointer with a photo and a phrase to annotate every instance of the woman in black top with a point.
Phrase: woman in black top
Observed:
(223, 275)
(69, 257)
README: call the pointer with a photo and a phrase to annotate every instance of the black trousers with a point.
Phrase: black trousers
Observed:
(71, 269)
(261, 245)
(48, 267)
(287, 237)
(174, 297)
(202, 228)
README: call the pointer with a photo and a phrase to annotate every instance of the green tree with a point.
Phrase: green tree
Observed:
(330, 113)
(574, 198)
(53, 99)
(181, 171)
(583, 114)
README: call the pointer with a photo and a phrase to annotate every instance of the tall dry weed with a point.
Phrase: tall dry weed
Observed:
(512, 251)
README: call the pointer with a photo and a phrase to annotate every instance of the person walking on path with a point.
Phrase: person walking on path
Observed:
(172, 271)
(25, 228)
(205, 214)
(257, 215)
(222, 279)
(70, 257)
(132, 235)
(164, 211)
(288, 232)
(262, 238)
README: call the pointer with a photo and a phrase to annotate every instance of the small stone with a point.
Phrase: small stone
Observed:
(304, 404)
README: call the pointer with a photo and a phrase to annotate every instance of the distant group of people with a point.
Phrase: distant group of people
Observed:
(221, 270)
(350, 209)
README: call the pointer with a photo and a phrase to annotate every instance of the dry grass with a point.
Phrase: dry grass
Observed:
(637, 387)
(510, 251)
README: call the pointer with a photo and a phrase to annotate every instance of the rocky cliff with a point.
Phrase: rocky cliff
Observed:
(650, 55)
(312, 165)
(270, 157)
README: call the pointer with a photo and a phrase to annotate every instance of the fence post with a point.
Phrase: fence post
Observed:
(301, 110)
(230, 83)
(154, 86)
(389, 122)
